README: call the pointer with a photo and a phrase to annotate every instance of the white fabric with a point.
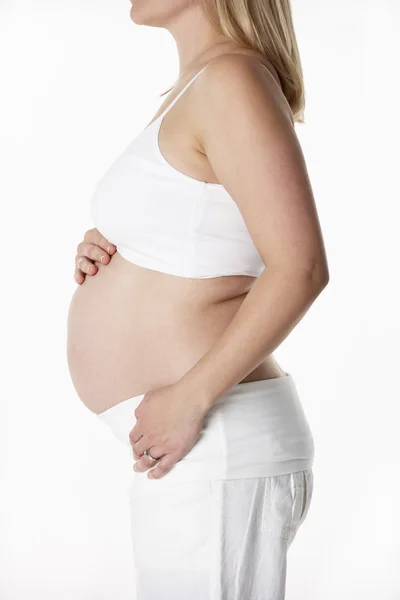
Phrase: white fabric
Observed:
(255, 429)
(219, 524)
(217, 539)
(162, 219)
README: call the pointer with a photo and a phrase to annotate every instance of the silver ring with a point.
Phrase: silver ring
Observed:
(149, 456)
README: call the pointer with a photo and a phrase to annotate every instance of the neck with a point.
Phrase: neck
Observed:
(196, 40)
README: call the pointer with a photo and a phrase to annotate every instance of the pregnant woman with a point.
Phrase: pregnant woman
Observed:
(206, 252)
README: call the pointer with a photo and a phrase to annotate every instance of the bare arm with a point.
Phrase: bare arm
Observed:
(248, 136)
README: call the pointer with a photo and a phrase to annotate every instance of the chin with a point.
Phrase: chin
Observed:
(138, 16)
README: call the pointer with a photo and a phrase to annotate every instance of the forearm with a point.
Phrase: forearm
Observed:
(274, 305)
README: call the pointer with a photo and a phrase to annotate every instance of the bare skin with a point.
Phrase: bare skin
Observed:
(131, 329)
(181, 342)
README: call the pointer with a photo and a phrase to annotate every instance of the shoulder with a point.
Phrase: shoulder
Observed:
(244, 77)
(241, 62)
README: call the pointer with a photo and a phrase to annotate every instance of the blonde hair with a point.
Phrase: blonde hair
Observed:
(265, 26)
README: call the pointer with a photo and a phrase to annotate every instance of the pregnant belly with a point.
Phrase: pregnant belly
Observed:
(132, 329)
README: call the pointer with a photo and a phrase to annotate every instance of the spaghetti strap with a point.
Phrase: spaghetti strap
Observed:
(180, 93)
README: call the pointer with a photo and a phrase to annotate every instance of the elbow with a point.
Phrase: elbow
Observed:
(311, 277)
(318, 276)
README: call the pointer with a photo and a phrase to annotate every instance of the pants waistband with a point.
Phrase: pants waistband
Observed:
(255, 429)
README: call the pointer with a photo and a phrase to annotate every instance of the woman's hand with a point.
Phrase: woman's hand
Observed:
(169, 422)
(94, 247)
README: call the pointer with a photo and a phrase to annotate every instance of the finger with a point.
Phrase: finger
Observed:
(93, 236)
(85, 265)
(136, 456)
(164, 465)
(145, 462)
(86, 250)
(79, 276)
(142, 444)
(135, 433)
(134, 436)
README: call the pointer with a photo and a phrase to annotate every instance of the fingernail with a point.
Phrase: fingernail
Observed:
(103, 258)
(109, 249)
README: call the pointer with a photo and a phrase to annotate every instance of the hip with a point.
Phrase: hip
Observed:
(256, 429)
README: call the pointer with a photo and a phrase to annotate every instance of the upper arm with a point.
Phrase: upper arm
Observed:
(248, 136)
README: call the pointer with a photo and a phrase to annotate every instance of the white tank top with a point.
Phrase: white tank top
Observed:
(162, 219)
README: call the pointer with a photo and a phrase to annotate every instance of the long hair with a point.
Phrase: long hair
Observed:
(265, 26)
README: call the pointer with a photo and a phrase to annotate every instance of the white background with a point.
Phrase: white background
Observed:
(79, 80)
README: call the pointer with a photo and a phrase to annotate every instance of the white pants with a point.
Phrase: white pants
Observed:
(218, 526)
(217, 539)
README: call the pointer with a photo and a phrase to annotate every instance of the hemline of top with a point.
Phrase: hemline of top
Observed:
(153, 265)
